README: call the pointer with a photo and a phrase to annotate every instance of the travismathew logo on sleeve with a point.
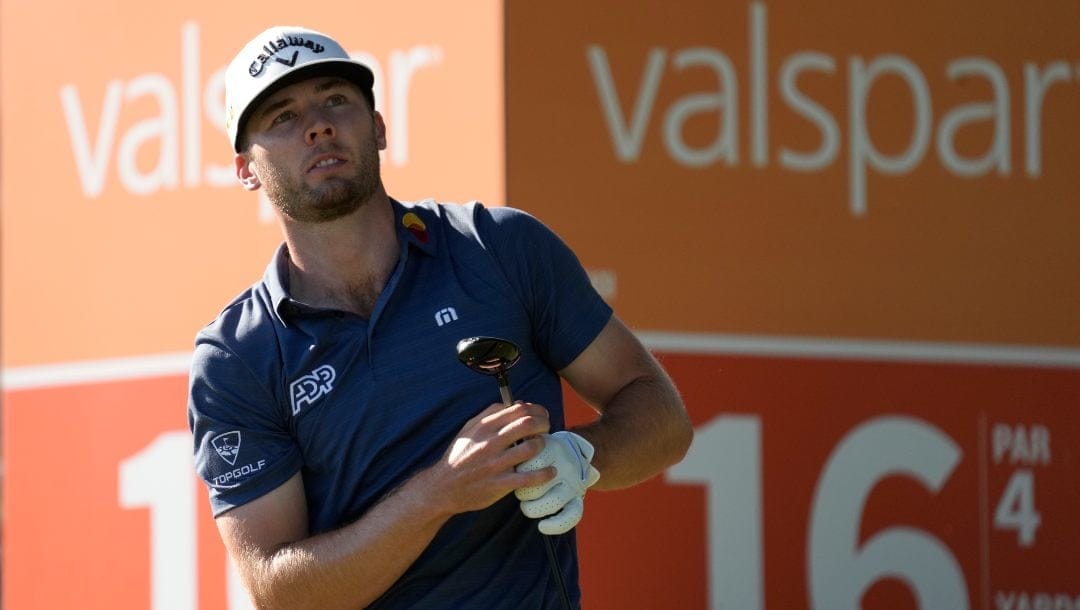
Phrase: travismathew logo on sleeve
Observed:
(273, 47)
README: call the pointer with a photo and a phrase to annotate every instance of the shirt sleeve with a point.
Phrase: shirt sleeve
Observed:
(243, 447)
(565, 310)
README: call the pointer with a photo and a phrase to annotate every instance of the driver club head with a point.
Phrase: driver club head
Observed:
(488, 355)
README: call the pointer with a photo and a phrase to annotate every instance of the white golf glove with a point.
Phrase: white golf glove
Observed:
(560, 500)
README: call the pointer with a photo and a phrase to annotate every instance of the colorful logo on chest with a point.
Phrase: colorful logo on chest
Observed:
(415, 226)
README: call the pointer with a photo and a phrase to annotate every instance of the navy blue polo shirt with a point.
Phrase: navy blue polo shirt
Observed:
(359, 405)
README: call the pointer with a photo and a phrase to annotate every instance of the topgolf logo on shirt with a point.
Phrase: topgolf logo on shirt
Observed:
(311, 387)
(227, 446)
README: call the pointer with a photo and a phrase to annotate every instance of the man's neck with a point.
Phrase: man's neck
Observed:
(344, 263)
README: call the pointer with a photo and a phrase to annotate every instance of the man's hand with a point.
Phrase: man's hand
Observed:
(478, 467)
(560, 500)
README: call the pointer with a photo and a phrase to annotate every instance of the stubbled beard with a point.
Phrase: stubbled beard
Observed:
(333, 198)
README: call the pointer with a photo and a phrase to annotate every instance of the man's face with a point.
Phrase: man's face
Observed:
(314, 146)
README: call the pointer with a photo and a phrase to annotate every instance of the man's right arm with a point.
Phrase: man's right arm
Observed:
(285, 567)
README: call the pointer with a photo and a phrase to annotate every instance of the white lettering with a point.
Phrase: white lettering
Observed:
(403, 64)
(843, 560)
(759, 91)
(1036, 83)
(189, 79)
(164, 175)
(862, 152)
(626, 138)
(1024, 445)
(377, 88)
(242, 471)
(1016, 508)
(92, 165)
(826, 124)
(165, 151)
(1024, 600)
(726, 144)
(998, 110)
(867, 107)
(213, 102)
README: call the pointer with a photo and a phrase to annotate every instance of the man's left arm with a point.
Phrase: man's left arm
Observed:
(643, 426)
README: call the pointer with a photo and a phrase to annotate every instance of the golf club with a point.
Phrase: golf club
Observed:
(494, 356)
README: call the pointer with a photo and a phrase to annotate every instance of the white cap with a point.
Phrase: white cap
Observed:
(281, 56)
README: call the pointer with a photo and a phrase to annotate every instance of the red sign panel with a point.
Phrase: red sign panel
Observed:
(839, 484)
(818, 484)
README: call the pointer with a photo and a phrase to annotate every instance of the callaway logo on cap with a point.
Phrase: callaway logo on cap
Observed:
(278, 57)
(272, 47)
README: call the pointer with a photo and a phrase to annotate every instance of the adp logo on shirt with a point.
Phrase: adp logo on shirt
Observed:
(311, 387)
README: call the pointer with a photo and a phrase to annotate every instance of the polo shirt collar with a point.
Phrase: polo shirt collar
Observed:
(276, 280)
(415, 226)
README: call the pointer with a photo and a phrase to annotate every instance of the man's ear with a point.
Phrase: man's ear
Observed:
(380, 130)
(245, 174)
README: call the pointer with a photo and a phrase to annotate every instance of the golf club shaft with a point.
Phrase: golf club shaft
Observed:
(504, 391)
(494, 356)
(549, 547)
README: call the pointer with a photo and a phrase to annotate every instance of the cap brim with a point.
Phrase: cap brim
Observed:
(355, 72)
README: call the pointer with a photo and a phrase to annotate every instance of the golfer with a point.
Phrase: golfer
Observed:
(352, 461)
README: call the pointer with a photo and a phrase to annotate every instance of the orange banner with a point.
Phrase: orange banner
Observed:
(125, 229)
(839, 169)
